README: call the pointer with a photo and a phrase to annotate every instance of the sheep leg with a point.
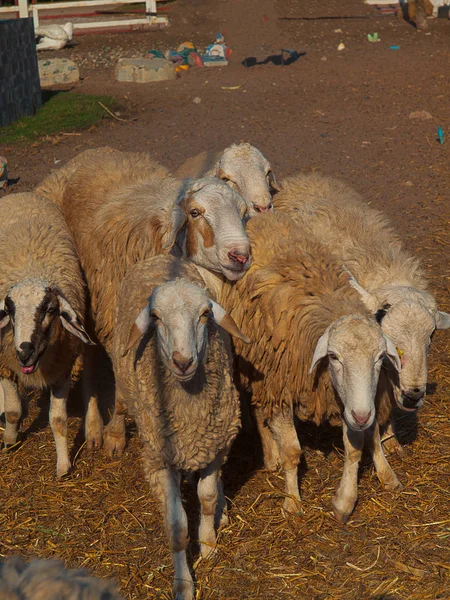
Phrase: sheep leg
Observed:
(114, 439)
(208, 494)
(390, 441)
(167, 485)
(347, 493)
(269, 445)
(421, 22)
(58, 423)
(221, 510)
(386, 475)
(93, 422)
(12, 409)
(286, 438)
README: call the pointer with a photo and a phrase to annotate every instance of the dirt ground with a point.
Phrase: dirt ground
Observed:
(346, 113)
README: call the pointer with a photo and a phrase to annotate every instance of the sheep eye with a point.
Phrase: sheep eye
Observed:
(195, 213)
(333, 356)
(51, 310)
(155, 317)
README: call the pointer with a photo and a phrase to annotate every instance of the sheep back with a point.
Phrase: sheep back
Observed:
(284, 304)
(118, 206)
(337, 216)
(184, 425)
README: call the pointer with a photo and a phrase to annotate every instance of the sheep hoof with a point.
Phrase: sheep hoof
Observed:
(94, 434)
(341, 517)
(63, 470)
(6, 447)
(113, 443)
(392, 446)
(224, 519)
(183, 590)
(342, 514)
(94, 443)
(393, 485)
(292, 506)
(271, 464)
(208, 550)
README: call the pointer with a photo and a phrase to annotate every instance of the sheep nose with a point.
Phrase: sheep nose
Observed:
(361, 418)
(181, 361)
(412, 397)
(25, 352)
(239, 256)
(263, 209)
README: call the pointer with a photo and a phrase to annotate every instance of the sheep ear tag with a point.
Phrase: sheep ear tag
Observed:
(139, 327)
(226, 321)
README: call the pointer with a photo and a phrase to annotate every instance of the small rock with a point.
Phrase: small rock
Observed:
(144, 70)
(423, 115)
(196, 100)
(324, 58)
(57, 71)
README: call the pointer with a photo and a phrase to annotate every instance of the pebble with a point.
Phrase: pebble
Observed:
(196, 100)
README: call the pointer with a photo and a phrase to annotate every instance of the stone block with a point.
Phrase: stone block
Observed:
(57, 71)
(144, 70)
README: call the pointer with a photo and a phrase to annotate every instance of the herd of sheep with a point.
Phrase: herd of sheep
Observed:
(329, 317)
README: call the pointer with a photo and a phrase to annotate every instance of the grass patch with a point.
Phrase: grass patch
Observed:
(63, 111)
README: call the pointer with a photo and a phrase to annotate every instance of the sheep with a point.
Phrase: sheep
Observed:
(309, 319)
(124, 207)
(177, 384)
(42, 579)
(243, 167)
(42, 305)
(53, 37)
(387, 277)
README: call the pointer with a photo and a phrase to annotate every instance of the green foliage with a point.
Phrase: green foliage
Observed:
(63, 111)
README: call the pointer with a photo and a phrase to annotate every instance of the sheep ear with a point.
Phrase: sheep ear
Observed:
(139, 327)
(393, 354)
(226, 321)
(4, 316)
(321, 349)
(272, 181)
(220, 174)
(368, 299)
(442, 320)
(177, 222)
(72, 322)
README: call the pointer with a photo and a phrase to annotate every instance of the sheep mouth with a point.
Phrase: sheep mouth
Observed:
(409, 409)
(183, 377)
(234, 271)
(29, 369)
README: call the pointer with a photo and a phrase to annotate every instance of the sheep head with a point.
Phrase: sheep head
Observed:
(33, 307)
(244, 168)
(355, 348)
(409, 317)
(213, 217)
(180, 312)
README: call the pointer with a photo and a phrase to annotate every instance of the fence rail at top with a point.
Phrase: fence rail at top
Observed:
(25, 9)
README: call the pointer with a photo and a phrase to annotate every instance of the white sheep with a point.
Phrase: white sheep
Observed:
(317, 353)
(123, 207)
(388, 278)
(42, 304)
(42, 579)
(243, 167)
(173, 370)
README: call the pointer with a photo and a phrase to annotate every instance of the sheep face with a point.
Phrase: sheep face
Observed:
(245, 169)
(180, 312)
(411, 323)
(33, 308)
(215, 235)
(355, 347)
(409, 317)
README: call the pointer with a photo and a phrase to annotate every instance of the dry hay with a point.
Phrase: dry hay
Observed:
(102, 517)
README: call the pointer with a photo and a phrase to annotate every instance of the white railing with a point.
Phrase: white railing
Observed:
(24, 9)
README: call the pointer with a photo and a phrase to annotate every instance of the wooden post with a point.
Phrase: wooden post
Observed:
(23, 9)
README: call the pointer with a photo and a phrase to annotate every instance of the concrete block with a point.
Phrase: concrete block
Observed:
(57, 71)
(144, 70)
